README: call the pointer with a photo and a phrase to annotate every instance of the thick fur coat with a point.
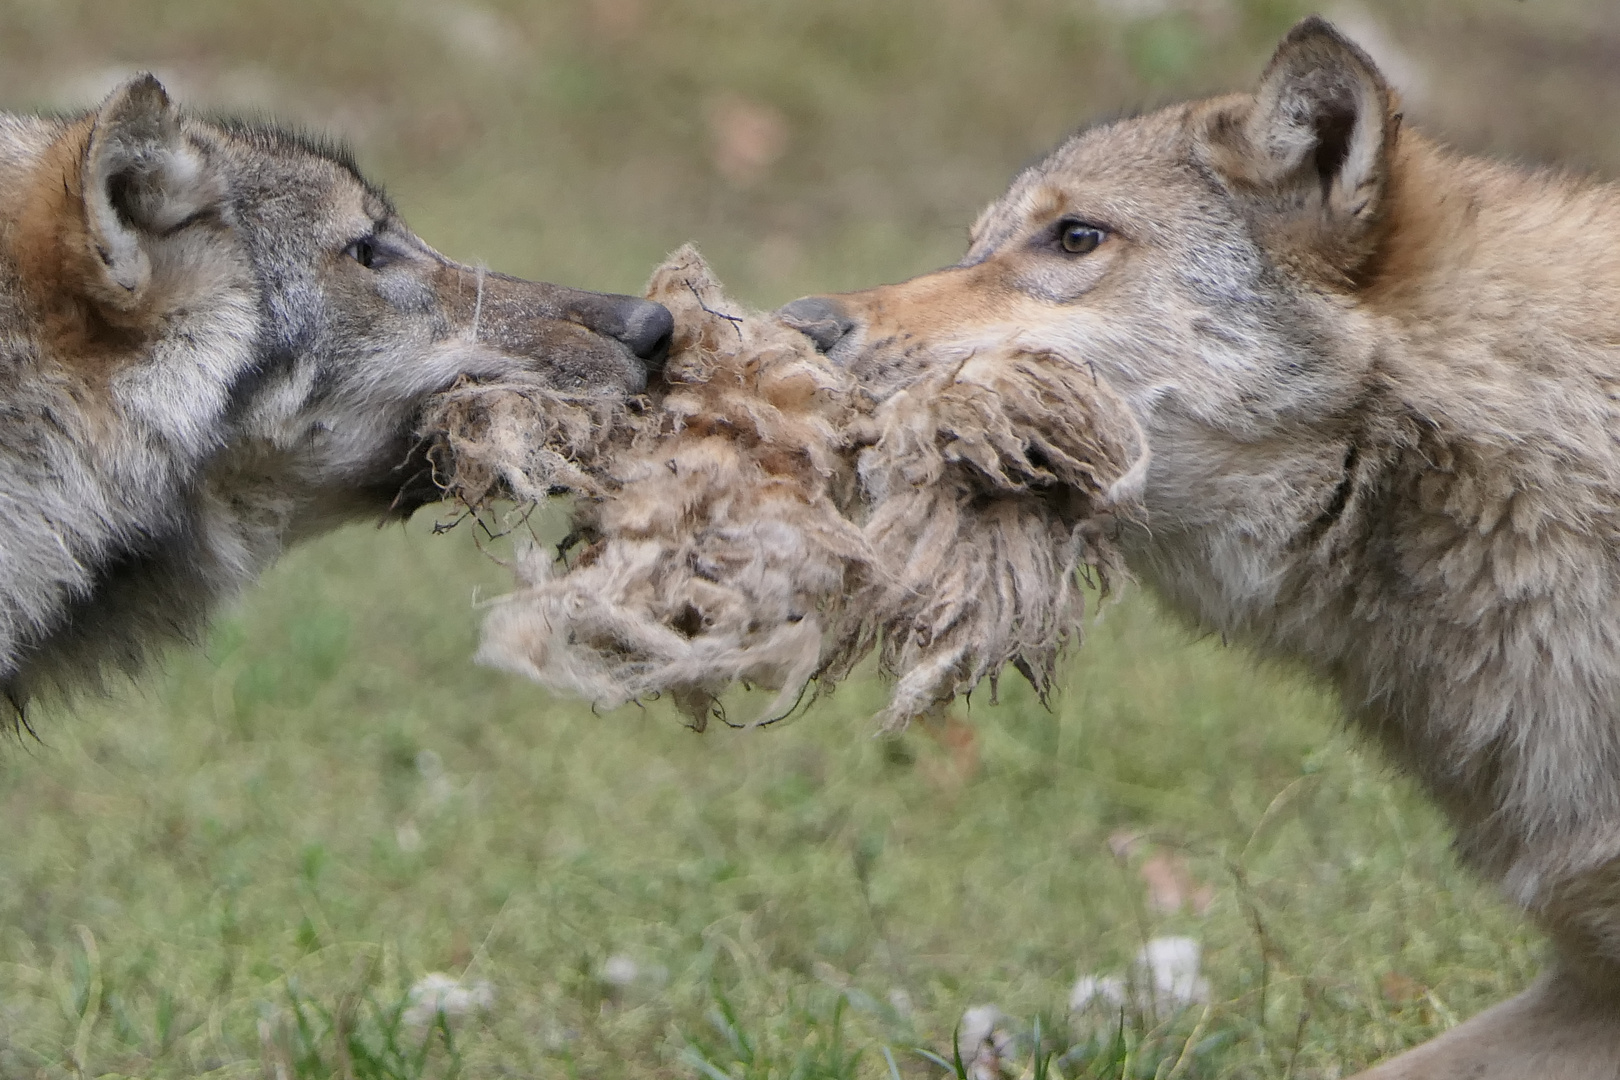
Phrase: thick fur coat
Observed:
(1381, 385)
(214, 339)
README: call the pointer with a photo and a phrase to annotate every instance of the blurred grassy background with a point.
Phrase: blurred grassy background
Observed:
(327, 801)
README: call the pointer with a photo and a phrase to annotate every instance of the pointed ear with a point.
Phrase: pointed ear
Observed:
(140, 178)
(1313, 149)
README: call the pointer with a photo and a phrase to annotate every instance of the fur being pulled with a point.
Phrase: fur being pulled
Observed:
(771, 519)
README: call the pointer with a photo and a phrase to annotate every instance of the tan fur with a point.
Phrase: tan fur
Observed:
(1381, 384)
(766, 520)
(713, 535)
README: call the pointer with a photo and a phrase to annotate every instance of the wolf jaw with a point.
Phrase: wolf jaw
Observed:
(213, 341)
(1378, 382)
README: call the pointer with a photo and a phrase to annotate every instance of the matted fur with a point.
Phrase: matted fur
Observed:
(992, 484)
(518, 438)
(768, 518)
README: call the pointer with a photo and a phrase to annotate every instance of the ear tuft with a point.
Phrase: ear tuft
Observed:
(140, 100)
(1313, 150)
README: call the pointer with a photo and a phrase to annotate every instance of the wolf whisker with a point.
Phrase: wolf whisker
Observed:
(478, 300)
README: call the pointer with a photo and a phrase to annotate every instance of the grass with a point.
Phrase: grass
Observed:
(241, 866)
(297, 821)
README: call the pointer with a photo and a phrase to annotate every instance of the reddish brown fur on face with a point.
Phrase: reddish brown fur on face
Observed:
(58, 265)
(939, 307)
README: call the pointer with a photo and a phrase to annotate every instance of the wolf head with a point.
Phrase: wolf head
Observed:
(1205, 259)
(228, 284)
(214, 338)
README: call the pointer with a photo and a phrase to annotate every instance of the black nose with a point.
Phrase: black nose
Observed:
(819, 318)
(643, 326)
(647, 330)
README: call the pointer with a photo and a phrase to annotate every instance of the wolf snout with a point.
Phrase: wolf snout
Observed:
(820, 318)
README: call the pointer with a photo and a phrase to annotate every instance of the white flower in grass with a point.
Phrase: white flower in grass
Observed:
(620, 971)
(408, 837)
(1165, 978)
(984, 1042)
(1100, 991)
(436, 993)
(1168, 966)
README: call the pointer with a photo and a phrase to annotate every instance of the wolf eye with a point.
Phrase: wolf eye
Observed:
(1078, 238)
(363, 252)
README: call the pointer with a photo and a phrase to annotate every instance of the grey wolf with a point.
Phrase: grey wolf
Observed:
(1380, 382)
(213, 339)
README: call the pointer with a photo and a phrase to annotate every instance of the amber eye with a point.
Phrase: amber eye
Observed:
(1078, 238)
(363, 252)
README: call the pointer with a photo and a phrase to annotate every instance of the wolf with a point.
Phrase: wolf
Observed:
(1380, 382)
(213, 339)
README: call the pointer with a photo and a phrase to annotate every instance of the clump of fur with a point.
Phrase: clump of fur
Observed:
(768, 519)
(719, 553)
(517, 439)
(986, 493)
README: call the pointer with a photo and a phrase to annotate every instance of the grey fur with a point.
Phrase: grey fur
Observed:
(197, 370)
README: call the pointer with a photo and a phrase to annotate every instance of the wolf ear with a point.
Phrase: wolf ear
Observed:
(1314, 148)
(140, 177)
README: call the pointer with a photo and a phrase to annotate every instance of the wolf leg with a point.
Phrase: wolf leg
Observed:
(1562, 1028)
(1566, 1026)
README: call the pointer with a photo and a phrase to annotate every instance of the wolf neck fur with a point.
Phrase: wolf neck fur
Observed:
(1467, 485)
(114, 538)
